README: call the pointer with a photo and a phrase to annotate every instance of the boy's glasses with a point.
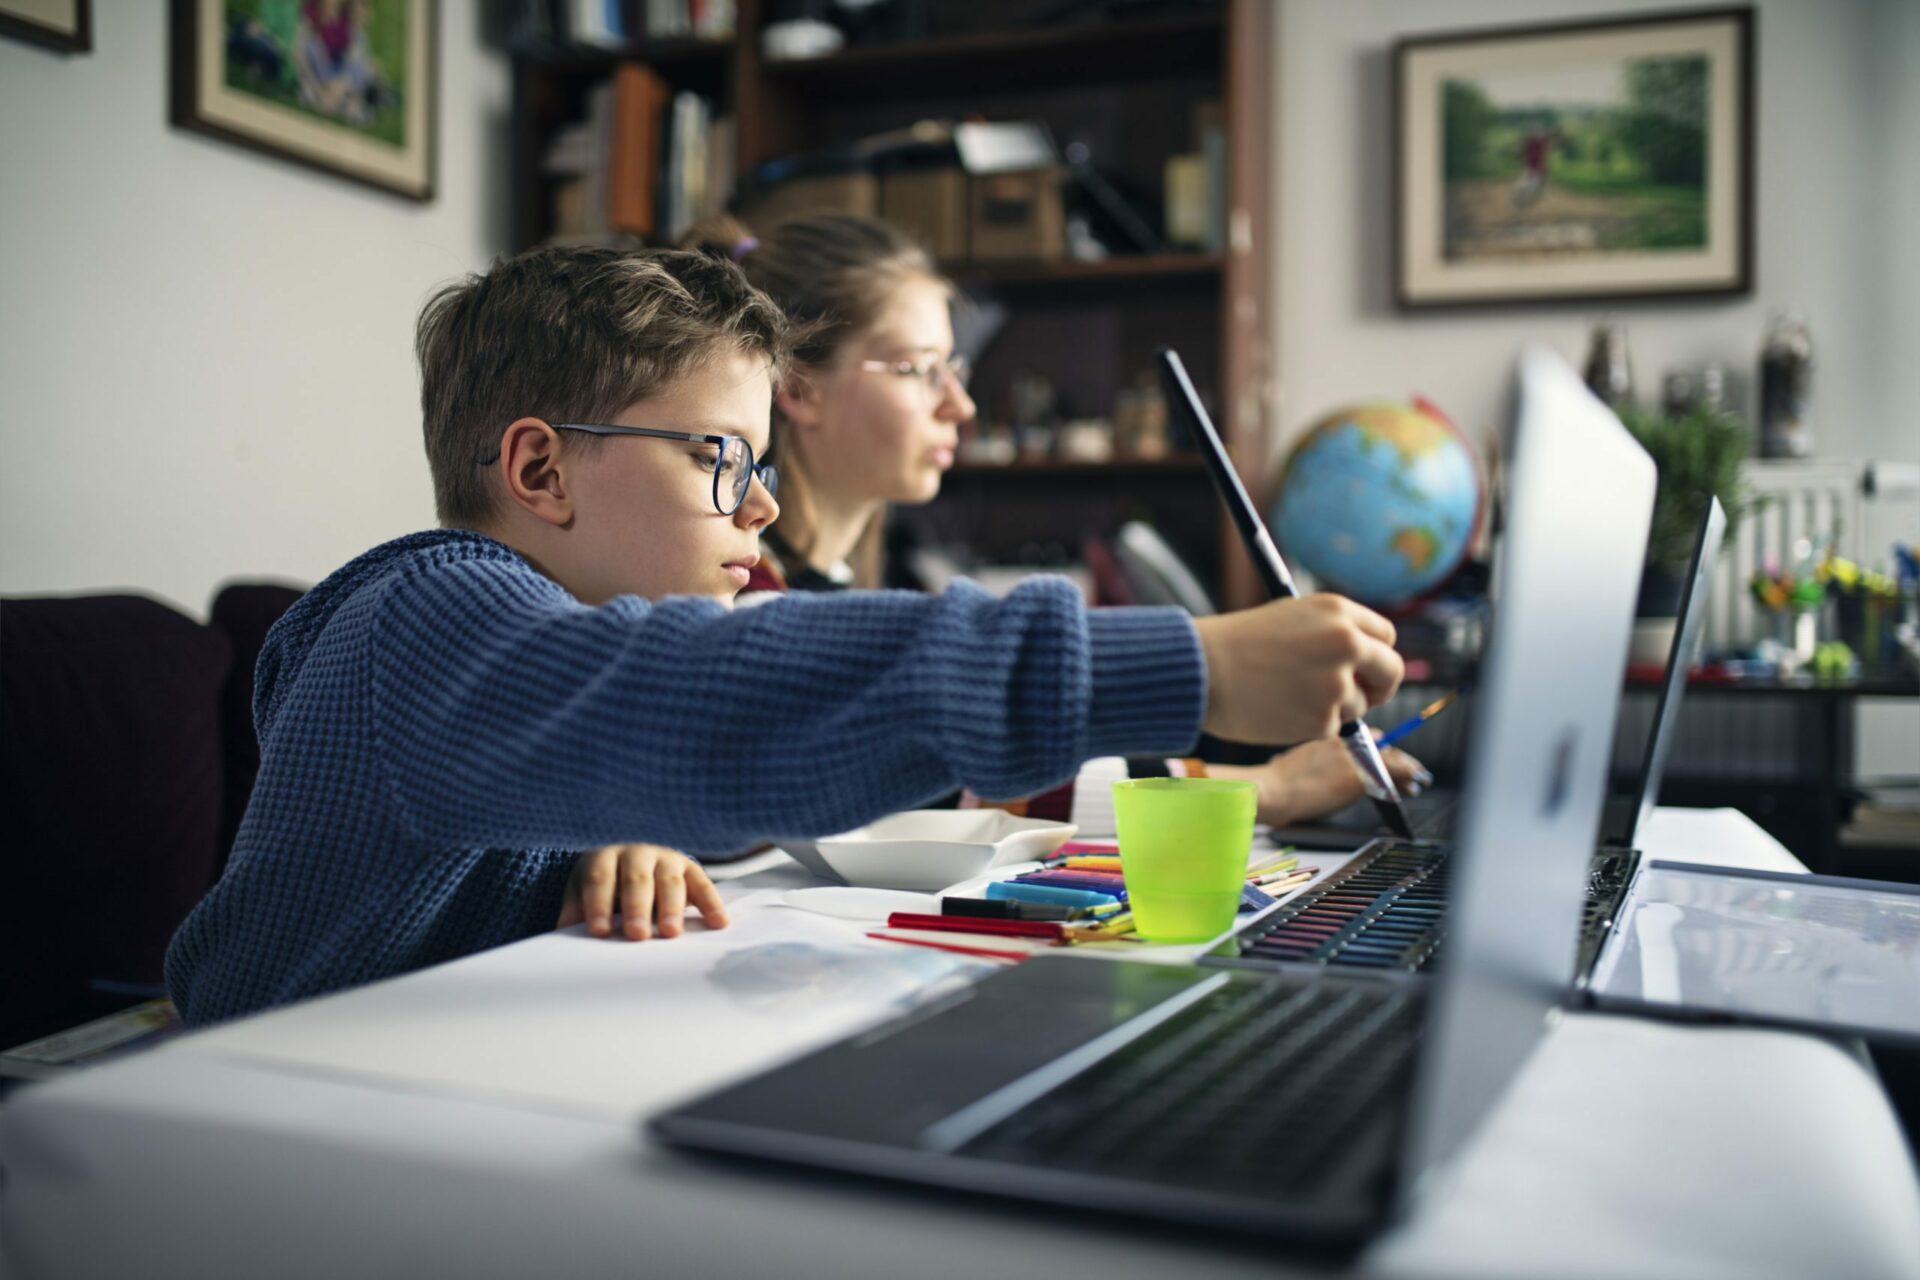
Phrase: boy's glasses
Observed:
(733, 464)
(938, 373)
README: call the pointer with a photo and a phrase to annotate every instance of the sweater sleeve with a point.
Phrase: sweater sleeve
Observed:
(508, 714)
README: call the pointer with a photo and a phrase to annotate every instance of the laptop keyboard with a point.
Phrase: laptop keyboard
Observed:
(1382, 910)
(1256, 1088)
(1387, 910)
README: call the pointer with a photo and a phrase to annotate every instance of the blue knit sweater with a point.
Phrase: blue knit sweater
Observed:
(442, 728)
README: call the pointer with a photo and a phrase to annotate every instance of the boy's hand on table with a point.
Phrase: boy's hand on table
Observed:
(1292, 670)
(1317, 778)
(648, 884)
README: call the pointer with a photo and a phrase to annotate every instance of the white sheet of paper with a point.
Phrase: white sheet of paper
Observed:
(604, 1025)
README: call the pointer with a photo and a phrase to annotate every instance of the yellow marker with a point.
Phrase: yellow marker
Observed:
(1090, 862)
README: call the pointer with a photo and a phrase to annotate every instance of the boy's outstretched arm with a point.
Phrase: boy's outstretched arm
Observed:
(510, 716)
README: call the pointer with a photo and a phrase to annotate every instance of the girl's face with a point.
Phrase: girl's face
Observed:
(876, 433)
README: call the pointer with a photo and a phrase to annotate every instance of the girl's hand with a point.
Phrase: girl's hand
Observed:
(652, 885)
(1317, 778)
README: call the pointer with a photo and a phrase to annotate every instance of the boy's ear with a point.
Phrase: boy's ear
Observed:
(797, 399)
(530, 464)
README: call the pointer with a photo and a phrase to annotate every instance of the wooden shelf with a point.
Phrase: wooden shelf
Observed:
(1129, 89)
(1051, 57)
(594, 60)
(1092, 279)
(1182, 465)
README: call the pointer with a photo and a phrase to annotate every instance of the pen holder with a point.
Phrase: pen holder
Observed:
(1183, 851)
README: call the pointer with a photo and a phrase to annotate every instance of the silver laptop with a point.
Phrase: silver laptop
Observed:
(1309, 1106)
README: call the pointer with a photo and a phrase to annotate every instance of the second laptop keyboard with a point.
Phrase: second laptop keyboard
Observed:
(1385, 909)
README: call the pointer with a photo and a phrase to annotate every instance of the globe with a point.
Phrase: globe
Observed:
(1380, 501)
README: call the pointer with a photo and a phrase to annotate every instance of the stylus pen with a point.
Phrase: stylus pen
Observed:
(1279, 583)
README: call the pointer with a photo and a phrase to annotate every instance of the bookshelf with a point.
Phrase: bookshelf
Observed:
(1127, 87)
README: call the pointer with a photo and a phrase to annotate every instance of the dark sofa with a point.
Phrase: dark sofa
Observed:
(127, 754)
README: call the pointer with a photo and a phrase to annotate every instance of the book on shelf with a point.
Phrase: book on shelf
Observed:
(615, 24)
(645, 161)
(601, 23)
(633, 156)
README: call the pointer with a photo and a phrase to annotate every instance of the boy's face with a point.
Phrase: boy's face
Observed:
(644, 517)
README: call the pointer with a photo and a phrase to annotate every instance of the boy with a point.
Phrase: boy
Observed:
(448, 719)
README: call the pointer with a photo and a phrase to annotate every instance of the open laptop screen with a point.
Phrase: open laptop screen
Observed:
(1625, 821)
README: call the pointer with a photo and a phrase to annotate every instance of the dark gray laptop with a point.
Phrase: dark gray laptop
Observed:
(1307, 1105)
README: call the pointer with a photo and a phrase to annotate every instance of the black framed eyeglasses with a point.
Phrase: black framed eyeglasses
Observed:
(733, 464)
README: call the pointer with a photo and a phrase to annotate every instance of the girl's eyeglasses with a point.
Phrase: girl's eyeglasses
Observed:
(733, 464)
(937, 372)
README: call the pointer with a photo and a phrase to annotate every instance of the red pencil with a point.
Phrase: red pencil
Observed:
(982, 952)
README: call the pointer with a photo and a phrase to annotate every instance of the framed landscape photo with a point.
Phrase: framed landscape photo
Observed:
(346, 86)
(1587, 162)
(63, 25)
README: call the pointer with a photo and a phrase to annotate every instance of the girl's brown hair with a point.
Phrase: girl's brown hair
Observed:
(832, 274)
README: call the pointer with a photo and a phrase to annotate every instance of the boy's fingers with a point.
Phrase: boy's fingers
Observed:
(1372, 623)
(570, 912)
(670, 897)
(702, 894)
(636, 896)
(597, 879)
(1378, 671)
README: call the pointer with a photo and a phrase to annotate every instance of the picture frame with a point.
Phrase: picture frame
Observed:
(65, 26)
(349, 87)
(1587, 162)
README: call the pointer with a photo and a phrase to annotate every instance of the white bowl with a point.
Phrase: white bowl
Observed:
(928, 849)
(807, 854)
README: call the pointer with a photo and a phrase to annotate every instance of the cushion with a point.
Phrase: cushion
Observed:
(243, 612)
(111, 777)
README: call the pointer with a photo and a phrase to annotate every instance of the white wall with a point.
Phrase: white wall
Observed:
(1837, 224)
(206, 364)
(1838, 115)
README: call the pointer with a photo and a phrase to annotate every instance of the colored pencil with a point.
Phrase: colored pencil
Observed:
(942, 944)
(1419, 718)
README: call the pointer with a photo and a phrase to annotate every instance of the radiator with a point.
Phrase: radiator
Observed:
(1862, 505)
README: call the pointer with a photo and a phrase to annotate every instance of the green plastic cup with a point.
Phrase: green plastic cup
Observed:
(1183, 850)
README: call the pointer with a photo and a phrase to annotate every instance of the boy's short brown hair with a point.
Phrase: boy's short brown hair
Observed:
(571, 335)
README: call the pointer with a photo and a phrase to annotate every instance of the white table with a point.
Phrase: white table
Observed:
(481, 1119)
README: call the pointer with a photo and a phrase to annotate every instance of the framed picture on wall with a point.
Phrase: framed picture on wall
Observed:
(1588, 162)
(341, 85)
(63, 25)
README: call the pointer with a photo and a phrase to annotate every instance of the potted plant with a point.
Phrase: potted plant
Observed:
(1698, 455)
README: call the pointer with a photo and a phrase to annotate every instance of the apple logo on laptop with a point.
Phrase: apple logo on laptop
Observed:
(1560, 772)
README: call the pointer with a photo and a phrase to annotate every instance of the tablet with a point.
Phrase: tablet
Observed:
(1814, 952)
